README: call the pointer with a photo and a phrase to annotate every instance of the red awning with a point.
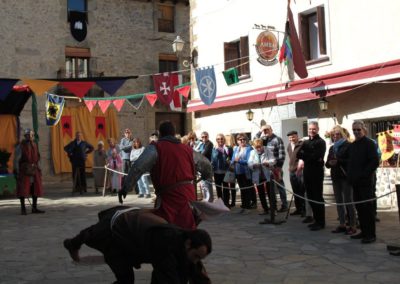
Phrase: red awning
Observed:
(308, 89)
(336, 83)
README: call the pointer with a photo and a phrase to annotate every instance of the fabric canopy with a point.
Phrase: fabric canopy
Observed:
(14, 103)
(84, 121)
(8, 134)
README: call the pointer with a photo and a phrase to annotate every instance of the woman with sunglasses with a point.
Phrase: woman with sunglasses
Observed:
(220, 160)
(260, 162)
(239, 161)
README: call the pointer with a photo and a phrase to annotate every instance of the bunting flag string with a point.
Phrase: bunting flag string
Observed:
(136, 103)
(90, 104)
(6, 87)
(78, 88)
(112, 86)
(151, 98)
(104, 105)
(39, 87)
(118, 104)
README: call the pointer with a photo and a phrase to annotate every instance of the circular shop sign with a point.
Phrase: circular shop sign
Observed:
(267, 48)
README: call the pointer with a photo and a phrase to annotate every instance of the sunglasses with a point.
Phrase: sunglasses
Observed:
(204, 136)
(356, 129)
(241, 139)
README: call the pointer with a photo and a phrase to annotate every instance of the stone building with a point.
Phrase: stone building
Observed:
(124, 38)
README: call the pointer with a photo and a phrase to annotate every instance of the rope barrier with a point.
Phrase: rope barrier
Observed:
(281, 186)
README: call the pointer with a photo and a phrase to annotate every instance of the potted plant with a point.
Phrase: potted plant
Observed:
(4, 158)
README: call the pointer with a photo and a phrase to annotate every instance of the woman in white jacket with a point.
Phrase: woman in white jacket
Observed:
(143, 182)
(260, 163)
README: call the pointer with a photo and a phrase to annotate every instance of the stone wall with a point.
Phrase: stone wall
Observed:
(123, 40)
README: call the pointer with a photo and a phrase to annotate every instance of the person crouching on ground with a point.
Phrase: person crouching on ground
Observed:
(129, 237)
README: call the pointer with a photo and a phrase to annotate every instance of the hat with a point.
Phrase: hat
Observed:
(27, 131)
(100, 143)
(293, 132)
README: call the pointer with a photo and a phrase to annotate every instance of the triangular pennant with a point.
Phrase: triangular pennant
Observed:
(184, 91)
(39, 87)
(151, 98)
(6, 87)
(118, 104)
(136, 102)
(54, 109)
(90, 104)
(78, 88)
(231, 76)
(110, 86)
(104, 105)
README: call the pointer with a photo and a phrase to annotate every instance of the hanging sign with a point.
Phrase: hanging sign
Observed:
(267, 48)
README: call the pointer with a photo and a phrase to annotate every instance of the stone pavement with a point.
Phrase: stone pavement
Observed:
(244, 252)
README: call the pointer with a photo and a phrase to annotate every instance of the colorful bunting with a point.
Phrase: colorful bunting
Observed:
(184, 91)
(136, 102)
(6, 86)
(66, 124)
(39, 87)
(100, 126)
(206, 83)
(104, 105)
(90, 104)
(231, 76)
(118, 104)
(78, 88)
(298, 57)
(151, 98)
(54, 109)
(112, 86)
(164, 85)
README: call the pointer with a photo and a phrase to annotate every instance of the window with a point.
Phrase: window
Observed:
(313, 35)
(166, 17)
(167, 63)
(77, 62)
(79, 6)
(237, 55)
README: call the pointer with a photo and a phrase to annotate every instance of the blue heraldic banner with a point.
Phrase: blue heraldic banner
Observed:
(206, 84)
(54, 109)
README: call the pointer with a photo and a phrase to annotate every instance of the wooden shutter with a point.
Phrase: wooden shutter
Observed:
(244, 54)
(304, 36)
(231, 52)
(321, 29)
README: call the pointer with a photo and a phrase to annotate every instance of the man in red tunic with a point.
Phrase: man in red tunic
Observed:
(172, 166)
(29, 175)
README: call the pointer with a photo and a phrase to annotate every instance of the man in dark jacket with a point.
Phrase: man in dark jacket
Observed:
(363, 161)
(128, 237)
(312, 153)
(77, 151)
(296, 175)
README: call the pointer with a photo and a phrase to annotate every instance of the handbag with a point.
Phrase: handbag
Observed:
(28, 169)
(230, 177)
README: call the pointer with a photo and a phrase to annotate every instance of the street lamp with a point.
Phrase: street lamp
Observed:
(249, 115)
(323, 104)
(177, 47)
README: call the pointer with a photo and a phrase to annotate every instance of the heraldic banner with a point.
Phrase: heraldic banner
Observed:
(206, 83)
(54, 109)
(164, 85)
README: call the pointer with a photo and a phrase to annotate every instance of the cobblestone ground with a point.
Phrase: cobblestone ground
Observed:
(31, 248)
